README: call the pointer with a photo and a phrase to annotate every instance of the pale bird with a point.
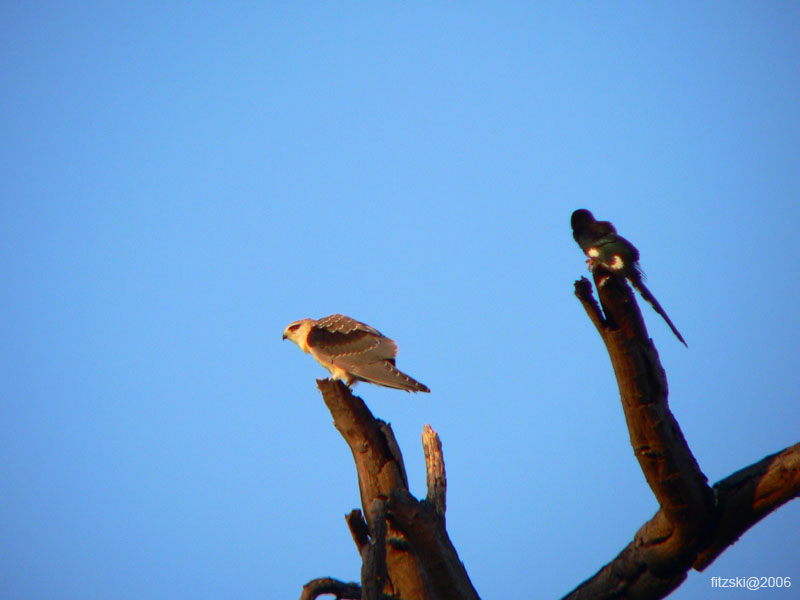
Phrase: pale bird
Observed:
(352, 351)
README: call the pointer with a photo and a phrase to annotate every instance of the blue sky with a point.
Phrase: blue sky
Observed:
(181, 180)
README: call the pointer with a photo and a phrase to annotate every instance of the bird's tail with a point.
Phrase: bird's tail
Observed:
(384, 373)
(647, 295)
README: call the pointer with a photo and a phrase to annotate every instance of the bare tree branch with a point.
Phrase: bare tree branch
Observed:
(747, 496)
(373, 556)
(694, 523)
(658, 443)
(421, 562)
(330, 586)
(435, 476)
(431, 545)
(379, 472)
(358, 529)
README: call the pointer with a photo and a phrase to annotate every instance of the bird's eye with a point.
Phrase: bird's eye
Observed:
(294, 327)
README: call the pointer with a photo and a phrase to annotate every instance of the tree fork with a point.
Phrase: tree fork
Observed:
(695, 523)
(420, 561)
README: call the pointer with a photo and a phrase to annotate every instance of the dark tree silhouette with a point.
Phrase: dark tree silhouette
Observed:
(406, 552)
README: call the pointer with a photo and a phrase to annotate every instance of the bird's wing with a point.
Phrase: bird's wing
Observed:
(593, 233)
(338, 336)
(602, 229)
(360, 350)
(631, 251)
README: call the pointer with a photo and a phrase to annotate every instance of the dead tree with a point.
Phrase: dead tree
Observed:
(406, 552)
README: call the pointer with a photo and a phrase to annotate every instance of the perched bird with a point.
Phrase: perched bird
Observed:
(615, 254)
(352, 351)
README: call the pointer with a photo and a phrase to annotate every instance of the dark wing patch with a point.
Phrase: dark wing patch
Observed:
(589, 232)
(340, 336)
(597, 233)
(631, 250)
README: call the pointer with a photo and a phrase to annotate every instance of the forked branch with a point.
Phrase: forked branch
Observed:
(695, 523)
(403, 541)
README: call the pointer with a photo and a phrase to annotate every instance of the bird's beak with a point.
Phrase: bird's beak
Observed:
(283, 337)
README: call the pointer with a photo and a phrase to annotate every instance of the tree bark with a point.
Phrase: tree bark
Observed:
(330, 586)
(420, 561)
(695, 523)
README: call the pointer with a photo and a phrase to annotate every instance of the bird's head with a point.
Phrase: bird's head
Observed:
(298, 332)
(581, 218)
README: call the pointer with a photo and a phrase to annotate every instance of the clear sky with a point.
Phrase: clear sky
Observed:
(180, 180)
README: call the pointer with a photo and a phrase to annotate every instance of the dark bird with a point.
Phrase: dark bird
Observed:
(614, 254)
